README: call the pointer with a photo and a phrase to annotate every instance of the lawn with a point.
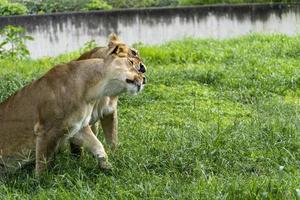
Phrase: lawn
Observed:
(219, 119)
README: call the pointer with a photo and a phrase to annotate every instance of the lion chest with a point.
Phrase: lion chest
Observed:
(106, 110)
(78, 121)
(104, 107)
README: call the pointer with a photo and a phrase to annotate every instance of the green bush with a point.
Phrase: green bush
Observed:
(13, 43)
(16, 7)
(201, 2)
(7, 8)
(141, 3)
(97, 5)
(167, 3)
(50, 6)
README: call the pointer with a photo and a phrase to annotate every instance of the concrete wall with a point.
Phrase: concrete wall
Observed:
(60, 33)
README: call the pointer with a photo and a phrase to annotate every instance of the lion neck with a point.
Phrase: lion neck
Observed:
(108, 84)
(106, 87)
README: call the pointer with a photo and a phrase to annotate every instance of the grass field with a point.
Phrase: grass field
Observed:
(217, 120)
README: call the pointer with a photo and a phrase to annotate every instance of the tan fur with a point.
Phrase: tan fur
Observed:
(58, 106)
(105, 109)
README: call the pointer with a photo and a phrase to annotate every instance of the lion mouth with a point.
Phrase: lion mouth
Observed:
(130, 81)
(135, 83)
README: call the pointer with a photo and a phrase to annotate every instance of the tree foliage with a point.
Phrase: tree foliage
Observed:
(13, 44)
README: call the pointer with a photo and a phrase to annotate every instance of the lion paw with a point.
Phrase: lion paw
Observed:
(104, 165)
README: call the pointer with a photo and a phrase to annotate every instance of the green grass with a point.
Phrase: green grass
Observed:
(217, 120)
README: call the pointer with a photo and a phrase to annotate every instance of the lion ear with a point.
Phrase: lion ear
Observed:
(120, 50)
(116, 46)
(113, 39)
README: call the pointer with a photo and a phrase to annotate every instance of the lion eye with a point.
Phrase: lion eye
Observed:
(131, 61)
(134, 53)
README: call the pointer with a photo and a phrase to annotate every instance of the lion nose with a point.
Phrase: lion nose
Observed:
(144, 80)
(142, 68)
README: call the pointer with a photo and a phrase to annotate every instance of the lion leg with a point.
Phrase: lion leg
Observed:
(109, 125)
(95, 128)
(76, 149)
(86, 138)
(46, 145)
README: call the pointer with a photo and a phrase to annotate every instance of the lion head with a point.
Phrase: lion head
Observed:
(125, 69)
(101, 52)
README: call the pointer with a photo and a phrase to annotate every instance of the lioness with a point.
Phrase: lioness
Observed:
(58, 106)
(105, 109)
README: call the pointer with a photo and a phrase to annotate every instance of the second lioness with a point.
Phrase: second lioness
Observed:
(105, 109)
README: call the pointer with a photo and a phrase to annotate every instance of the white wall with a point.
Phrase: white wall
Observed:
(61, 33)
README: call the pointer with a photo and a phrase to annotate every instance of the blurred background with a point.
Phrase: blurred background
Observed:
(65, 25)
